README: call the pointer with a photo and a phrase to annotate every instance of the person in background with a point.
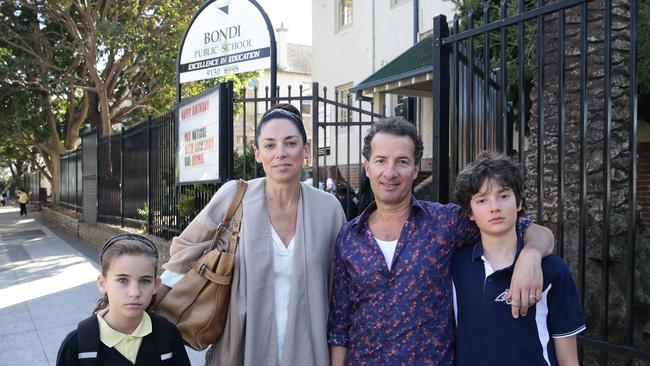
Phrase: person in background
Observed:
(490, 191)
(22, 201)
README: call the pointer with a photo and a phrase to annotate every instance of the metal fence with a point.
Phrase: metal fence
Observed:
(71, 192)
(31, 183)
(566, 110)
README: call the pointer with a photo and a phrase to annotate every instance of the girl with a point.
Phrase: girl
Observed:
(124, 333)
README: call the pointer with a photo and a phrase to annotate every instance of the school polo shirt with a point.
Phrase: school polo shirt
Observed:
(486, 332)
(126, 344)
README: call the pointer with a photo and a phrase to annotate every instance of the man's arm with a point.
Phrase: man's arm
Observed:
(527, 279)
(337, 355)
(566, 351)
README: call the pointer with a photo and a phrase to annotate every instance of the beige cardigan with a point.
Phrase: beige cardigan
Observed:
(249, 336)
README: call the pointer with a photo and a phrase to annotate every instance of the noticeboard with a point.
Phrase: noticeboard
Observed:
(202, 131)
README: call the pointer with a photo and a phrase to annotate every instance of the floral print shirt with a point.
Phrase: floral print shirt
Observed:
(402, 316)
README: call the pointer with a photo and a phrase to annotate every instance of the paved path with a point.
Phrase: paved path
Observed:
(47, 285)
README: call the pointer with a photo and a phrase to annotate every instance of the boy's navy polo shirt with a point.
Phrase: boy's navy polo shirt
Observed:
(486, 332)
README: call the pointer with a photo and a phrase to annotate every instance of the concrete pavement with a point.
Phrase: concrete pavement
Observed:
(47, 285)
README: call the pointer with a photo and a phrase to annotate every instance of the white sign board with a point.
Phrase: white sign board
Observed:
(227, 37)
(198, 139)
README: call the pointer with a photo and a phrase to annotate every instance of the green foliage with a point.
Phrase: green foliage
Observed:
(187, 206)
(143, 214)
(251, 164)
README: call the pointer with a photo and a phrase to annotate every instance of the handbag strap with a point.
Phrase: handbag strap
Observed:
(232, 210)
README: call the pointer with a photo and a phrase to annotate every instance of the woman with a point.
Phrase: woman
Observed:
(279, 298)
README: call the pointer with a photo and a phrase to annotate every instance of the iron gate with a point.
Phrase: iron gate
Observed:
(566, 110)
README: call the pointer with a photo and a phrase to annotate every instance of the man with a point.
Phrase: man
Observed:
(391, 302)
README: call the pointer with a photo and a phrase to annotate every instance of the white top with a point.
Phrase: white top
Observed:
(388, 249)
(282, 270)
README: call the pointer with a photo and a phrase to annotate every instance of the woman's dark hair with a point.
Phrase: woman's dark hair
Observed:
(489, 165)
(396, 126)
(125, 244)
(284, 111)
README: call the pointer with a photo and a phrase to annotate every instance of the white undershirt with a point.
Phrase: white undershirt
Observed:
(388, 249)
(282, 270)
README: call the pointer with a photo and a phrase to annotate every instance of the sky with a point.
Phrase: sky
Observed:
(296, 16)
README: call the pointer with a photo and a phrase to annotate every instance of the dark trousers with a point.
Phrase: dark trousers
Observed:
(23, 209)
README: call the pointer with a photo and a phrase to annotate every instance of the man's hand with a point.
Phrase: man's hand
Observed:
(527, 281)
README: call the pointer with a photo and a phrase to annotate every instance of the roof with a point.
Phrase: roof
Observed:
(414, 61)
(298, 58)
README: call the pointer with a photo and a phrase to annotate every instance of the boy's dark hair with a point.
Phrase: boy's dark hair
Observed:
(489, 165)
(396, 126)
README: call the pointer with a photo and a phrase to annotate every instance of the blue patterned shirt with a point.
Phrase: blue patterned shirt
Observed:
(402, 316)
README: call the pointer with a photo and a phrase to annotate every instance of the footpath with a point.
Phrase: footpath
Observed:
(47, 285)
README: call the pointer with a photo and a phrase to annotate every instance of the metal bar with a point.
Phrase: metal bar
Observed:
(255, 125)
(521, 28)
(486, 76)
(416, 20)
(149, 179)
(470, 91)
(561, 139)
(454, 122)
(244, 141)
(325, 125)
(631, 218)
(521, 17)
(315, 126)
(540, 116)
(606, 234)
(502, 130)
(440, 157)
(582, 243)
(614, 348)
(122, 176)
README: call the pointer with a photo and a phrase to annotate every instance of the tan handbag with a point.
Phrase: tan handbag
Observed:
(198, 304)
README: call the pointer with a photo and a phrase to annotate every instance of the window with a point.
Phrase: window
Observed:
(343, 14)
(343, 93)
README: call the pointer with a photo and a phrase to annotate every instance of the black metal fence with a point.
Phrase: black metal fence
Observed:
(565, 108)
(71, 192)
(31, 183)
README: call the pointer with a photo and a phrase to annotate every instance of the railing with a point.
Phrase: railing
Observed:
(567, 113)
(71, 193)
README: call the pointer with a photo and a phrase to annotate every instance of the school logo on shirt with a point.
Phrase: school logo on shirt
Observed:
(503, 297)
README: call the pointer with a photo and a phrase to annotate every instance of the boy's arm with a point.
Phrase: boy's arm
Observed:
(527, 279)
(566, 351)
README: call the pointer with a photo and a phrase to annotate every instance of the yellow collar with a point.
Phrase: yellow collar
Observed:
(111, 337)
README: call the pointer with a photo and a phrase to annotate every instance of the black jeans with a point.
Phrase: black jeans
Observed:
(23, 209)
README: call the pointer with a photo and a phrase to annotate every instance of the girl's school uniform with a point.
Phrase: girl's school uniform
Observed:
(155, 341)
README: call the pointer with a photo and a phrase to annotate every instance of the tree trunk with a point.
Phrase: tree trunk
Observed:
(619, 169)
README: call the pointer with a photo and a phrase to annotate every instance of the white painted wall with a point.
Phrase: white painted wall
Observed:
(354, 53)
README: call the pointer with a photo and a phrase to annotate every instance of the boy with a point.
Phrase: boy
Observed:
(490, 191)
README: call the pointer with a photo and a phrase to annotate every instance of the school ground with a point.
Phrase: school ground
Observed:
(47, 285)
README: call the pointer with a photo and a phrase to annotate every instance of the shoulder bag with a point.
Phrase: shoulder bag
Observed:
(198, 304)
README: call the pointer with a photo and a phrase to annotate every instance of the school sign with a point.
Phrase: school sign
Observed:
(225, 37)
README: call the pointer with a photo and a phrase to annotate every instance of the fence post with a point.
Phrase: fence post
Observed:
(440, 156)
(314, 132)
(149, 180)
(122, 176)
